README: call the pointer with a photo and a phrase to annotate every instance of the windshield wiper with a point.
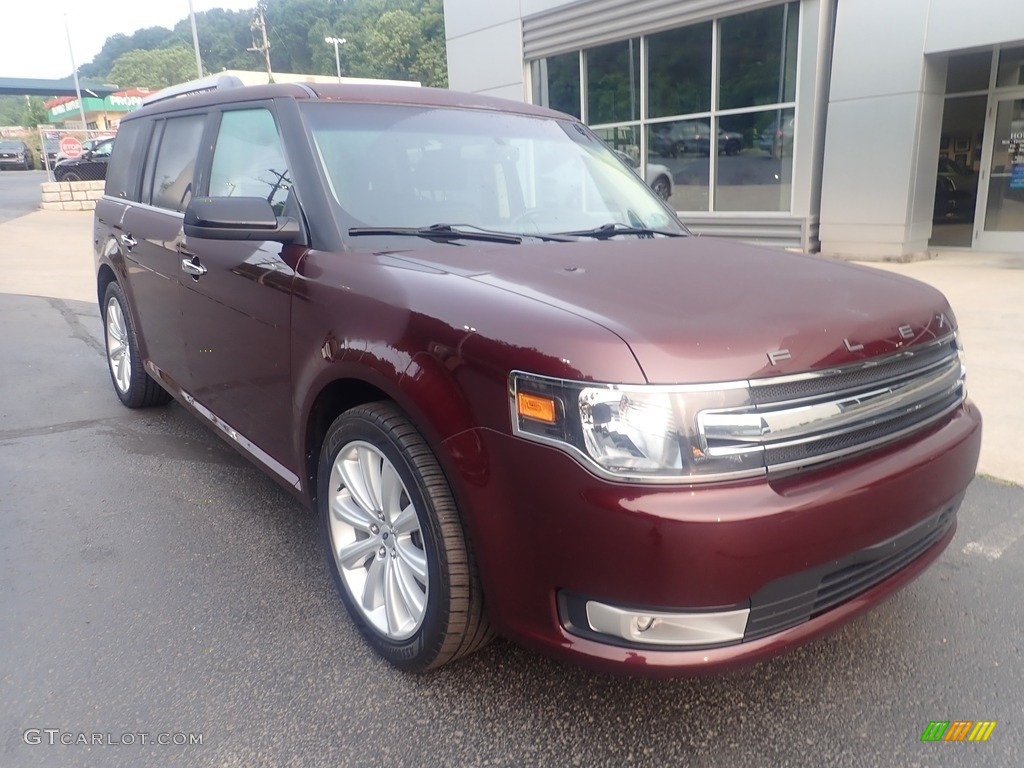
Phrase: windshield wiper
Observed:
(606, 231)
(440, 232)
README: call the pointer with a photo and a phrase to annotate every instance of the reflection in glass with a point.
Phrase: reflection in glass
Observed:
(760, 176)
(613, 82)
(248, 160)
(956, 183)
(679, 71)
(758, 57)
(625, 143)
(1011, 68)
(556, 83)
(968, 72)
(674, 147)
(405, 166)
(1005, 212)
(622, 139)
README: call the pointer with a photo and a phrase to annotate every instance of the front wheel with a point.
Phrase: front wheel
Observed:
(662, 187)
(134, 387)
(394, 541)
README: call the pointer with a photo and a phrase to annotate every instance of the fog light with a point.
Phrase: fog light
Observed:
(643, 623)
(706, 628)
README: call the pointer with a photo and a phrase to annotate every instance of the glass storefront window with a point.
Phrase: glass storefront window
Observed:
(1005, 212)
(755, 164)
(679, 71)
(968, 72)
(613, 82)
(730, 150)
(1011, 68)
(682, 148)
(556, 83)
(758, 57)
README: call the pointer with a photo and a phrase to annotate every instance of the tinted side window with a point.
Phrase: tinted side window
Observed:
(122, 181)
(176, 160)
(248, 160)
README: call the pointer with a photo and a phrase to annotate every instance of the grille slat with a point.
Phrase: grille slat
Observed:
(807, 419)
(840, 380)
(794, 599)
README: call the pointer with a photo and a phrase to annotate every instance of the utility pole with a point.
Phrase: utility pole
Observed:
(260, 23)
(195, 40)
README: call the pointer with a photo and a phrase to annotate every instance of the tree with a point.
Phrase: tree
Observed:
(392, 46)
(396, 39)
(26, 111)
(154, 69)
(148, 39)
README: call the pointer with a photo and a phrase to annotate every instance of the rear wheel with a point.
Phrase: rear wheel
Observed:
(394, 541)
(134, 387)
(70, 176)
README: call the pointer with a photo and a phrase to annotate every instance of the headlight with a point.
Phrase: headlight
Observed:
(636, 432)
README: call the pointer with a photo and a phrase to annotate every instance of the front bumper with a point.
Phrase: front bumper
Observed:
(803, 554)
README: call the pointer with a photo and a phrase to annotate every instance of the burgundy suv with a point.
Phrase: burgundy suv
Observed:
(519, 395)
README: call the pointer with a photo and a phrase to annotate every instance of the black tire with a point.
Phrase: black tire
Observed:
(452, 623)
(139, 389)
(662, 187)
(70, 176)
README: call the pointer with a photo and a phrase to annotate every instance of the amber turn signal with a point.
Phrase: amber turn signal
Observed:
(536, 407)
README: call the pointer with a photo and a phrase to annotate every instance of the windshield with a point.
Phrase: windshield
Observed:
(11, 145)
(405, 166)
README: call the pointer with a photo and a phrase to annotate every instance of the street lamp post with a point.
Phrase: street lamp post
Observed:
(337, 57)
(74, 67)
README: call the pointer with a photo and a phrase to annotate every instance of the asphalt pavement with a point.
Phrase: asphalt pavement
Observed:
(20, 193)
(154, 583)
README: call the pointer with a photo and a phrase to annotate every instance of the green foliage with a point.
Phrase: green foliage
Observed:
(154, 69)
(21, 110)
(396, 39)
(148, 39)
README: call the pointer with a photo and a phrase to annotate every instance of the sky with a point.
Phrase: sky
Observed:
(35, 44)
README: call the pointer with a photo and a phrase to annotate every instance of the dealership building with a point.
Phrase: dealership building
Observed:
(863, 128)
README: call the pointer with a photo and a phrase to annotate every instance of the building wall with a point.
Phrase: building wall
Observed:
(885, 114)
(954, 25)
(874, 113)
(485, 47)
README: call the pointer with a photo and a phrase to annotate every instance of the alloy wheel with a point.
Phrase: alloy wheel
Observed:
(119, 355)
(376, 541)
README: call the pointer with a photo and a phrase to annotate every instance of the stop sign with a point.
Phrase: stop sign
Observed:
(71, 146)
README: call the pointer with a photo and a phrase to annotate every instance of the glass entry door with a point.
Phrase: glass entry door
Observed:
(999, 221)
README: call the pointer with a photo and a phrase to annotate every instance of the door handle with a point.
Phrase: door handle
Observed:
(193, 267)
(128, 241)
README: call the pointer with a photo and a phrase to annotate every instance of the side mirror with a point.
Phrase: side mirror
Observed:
(238, 218)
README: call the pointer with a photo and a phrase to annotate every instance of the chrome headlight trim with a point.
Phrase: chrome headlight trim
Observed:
(738, 430)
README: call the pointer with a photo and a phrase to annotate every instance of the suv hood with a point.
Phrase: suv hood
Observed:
(697, 310)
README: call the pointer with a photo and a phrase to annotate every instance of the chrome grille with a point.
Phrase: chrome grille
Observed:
(797, 421)
(893, 368)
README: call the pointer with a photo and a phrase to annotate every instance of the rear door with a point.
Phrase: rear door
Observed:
(237, 294)
(151, 232)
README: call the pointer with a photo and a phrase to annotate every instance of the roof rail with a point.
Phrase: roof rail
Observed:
(210, 83)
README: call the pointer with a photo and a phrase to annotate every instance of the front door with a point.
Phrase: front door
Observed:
(236, 298)
(999, 221)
